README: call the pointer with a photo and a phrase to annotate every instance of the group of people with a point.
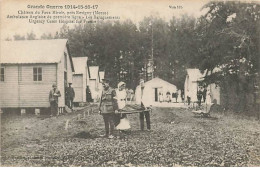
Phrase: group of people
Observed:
(111, 104)
(54, 94)
(179, 96)
(201, 94)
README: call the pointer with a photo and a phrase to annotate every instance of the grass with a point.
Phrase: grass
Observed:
(177, 139)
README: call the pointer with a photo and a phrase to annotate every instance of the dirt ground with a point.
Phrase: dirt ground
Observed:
(177, 138)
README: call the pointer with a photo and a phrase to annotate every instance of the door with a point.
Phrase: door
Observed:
(156, 94)
(78, 87)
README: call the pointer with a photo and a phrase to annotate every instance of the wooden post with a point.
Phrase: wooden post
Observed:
(79, 116)
(67, 125)
(23, 112)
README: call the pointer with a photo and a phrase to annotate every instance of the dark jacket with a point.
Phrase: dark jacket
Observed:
(52, 97)
(70, 94)
(108, 103)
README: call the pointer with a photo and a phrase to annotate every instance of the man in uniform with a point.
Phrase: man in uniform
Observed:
(108, 107)
(70, 94)
(53, 99)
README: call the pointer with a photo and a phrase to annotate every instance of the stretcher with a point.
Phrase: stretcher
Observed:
(203, 111)
(133, 108)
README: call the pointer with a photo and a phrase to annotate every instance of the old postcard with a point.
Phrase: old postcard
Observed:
(140, 83)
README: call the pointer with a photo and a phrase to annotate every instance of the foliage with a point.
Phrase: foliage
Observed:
(228, 37)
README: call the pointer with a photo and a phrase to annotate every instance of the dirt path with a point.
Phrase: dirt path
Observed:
(177, 139)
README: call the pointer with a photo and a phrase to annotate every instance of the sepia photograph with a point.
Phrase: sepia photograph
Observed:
(120, 83)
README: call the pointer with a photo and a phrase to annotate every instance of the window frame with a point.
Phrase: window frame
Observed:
(2, 76)
(37, 75)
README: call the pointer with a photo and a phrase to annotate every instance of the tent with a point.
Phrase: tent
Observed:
(151, 91)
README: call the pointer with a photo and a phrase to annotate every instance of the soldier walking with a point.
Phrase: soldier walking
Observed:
(107, 108)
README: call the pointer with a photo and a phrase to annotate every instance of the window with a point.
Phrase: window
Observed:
(37, 74)
(2, 74)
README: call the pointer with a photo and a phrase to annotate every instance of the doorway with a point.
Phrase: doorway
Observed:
(156, 94)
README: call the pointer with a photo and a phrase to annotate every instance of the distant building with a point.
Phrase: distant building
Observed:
(80, 78)
(28, 70)
(94, 83)
(191, 86)
(102, 75)
(151, 91)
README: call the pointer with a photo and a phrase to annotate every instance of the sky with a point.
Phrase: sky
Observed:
(134, 10)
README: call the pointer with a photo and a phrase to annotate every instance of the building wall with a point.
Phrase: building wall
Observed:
(78, 87)
(60, 79)
(93, 86)
(84, 88)
(9, 88)
(148, 96)
(190, 89)
(36, 93)
(20, 90)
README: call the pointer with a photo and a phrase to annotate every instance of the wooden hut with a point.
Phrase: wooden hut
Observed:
(80, 78)
(28, 70)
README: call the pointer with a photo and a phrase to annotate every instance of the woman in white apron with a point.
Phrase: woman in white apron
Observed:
(122, 122)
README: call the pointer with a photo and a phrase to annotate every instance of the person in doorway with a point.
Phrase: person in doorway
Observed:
(199, 95)
(168, 97)
(70, 96)
(107, 108)
(53, 99)
(188, 100)
(88, 95)
(179, 96)
(204, 94)
(182, 95)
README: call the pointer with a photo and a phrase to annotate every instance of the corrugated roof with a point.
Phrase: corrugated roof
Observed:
(80, 64)
(32, 51)
(94, 70)
(195, 74)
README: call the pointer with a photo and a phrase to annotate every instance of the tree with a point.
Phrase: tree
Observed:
(229, 41)
(8, 39)
(46, 36)
(183, 48)
(18, 37)
(31, 36)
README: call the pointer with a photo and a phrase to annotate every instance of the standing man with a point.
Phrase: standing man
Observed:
(108, 107)
(53, 99)
(199, 95)
(70, 96)
(146, 113)
(204, 94)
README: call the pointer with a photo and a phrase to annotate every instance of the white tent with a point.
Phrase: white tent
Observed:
(151, 91)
